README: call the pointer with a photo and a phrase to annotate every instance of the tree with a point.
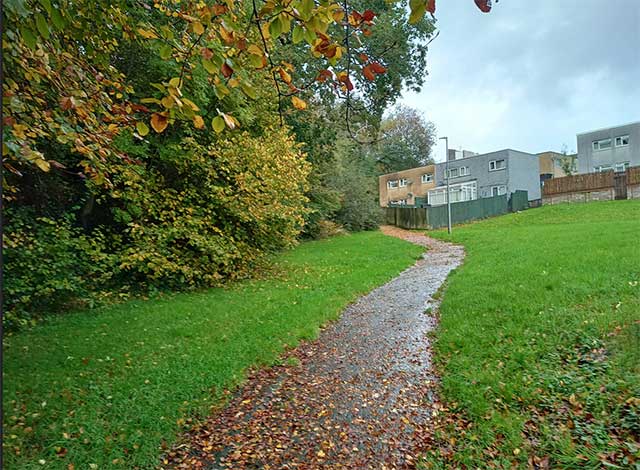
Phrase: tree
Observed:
(406, 140)
(62, 84)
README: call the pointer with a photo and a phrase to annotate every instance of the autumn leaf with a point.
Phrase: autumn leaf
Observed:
(484, 5)
(198, 122)
(284, 76)
(298, 103)
(198, 28)
(227, 71)
(368, 73)
(147, 34)
(159, 122)
(377, 68)
(431, 6)
(142, 128)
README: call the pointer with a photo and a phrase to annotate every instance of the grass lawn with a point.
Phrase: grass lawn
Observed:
(539, 341)
(113, 387)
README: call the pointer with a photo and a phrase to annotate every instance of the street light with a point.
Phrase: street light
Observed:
(446, 171)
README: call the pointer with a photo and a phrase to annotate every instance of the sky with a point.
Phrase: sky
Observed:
(530, 75)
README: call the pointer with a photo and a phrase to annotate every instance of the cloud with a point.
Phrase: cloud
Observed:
(530, 75)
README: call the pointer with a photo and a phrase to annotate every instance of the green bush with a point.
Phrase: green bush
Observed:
(49, 265)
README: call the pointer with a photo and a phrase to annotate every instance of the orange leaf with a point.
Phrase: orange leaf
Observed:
(368, 73)
(284, 76)
(377, 68)
(198, 122)
(298, 103)
(431, 6)
(159, 122)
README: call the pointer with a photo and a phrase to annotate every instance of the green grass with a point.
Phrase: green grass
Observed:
(108, 387)
(539, 340)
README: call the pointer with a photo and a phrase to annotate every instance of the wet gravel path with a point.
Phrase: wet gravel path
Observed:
(356, 398)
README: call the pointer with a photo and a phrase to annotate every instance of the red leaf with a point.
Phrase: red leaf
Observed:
(431, 6)
(484, 5)
(226, 70)
(368, 15)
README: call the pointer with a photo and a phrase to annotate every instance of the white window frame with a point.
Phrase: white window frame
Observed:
(398, 202)
(403, 183)
(602, 168)
(597, 144)
(460, 172)
(618, 166)
(500, 190)
(392, 184)
(460, 192)
(622, 141)
(427, 178)
(493, 165)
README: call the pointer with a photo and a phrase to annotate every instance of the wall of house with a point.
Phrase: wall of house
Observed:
(478, 171)
(415, 187)
(523, 171)
(588, 158)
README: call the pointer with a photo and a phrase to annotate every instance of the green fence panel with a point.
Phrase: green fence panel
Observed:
(436, 217)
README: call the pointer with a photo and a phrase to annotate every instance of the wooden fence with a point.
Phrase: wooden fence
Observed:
(575, 183)
(633, 175)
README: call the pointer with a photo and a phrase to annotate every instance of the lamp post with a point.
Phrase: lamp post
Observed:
(446, 165)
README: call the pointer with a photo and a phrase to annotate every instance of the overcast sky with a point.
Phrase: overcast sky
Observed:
(531, 74)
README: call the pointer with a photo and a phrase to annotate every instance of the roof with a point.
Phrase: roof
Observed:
(610, 127)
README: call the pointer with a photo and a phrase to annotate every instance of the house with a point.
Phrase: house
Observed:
(555, 165)
(408, 187)
(613, 148)
(486, 175)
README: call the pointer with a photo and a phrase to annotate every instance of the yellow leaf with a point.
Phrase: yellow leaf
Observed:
(159, 122)
(217, 124)
(198, 28)
(321, 453)
(198, 122)
(142, 128)
(298, 103)
(42, 164)
(145, 33)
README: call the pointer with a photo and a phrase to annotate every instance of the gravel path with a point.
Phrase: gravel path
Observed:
(356, 398)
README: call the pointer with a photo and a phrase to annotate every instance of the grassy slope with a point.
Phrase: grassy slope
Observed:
(539, 341)
(108, 387)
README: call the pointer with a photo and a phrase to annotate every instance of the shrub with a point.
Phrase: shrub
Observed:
(48, 264)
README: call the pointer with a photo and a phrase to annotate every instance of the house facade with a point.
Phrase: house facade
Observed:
(553, 165)
(486, 175)
(613, 148)
(408, 187)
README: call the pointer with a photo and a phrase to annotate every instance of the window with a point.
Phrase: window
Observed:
(497, 165)
(622, 140)
(603, 144)
(498, 190)
(602, 168)
(620, 167)
(457, 172)
(427, 178)
(403, 182)
(392, 184)
(458, 193)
